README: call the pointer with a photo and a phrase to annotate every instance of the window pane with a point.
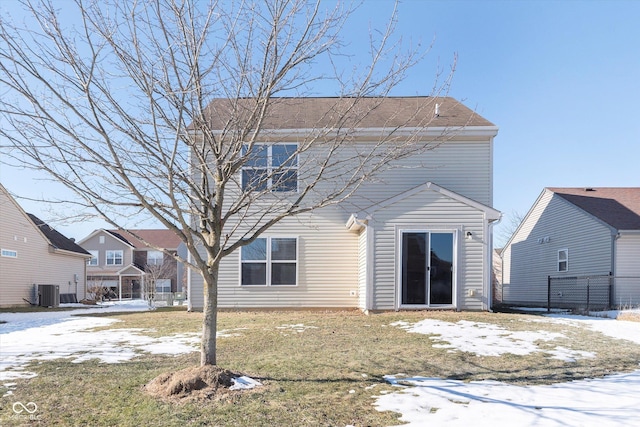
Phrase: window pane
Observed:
(285, 180)
(283, 249)
(154, 257)
(254, 179)
(280, 156)
(254, 273)
(114, 257)
(257, 157)
(163, 285)
(255, 251)
(283, 274)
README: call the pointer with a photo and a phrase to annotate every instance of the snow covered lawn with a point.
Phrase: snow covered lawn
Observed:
(610, 401)
(613, 400)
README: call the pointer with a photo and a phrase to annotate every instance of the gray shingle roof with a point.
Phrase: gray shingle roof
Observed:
(320, 112)
(617, 206)
(56, 239)
(161, 238)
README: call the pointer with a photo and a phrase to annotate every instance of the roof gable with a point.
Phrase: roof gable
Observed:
(491, 213)
(618, 207)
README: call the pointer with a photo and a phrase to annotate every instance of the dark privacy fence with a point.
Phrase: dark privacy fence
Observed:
(590, 292)
(580, 292)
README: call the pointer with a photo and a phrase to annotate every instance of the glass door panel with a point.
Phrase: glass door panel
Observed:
(427, 268)
(414, 268)
(441, 269)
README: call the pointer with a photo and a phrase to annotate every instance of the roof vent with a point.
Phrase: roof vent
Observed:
(589, 189)
(437, 111)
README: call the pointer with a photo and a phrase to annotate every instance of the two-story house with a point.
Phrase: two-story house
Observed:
(418, 237)
(576, 248)
(125, 266)
(34, 254)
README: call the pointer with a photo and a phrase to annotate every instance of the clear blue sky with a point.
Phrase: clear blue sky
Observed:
(561, 79)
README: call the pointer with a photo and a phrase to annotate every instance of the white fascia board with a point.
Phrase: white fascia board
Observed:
(491, 214)
(354, 224)
(71, 253)
(632, 232)
(130, 266)
(93, 233)
(432, 132)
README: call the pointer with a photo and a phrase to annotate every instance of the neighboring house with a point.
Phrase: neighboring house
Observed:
(126, 267)
(420, 237)
(575, 232)
(32, 254)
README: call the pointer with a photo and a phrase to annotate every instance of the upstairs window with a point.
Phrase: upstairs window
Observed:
(273, 167)
(114, 257)
(563, 260)
(94, 258)
(270, 261)
(155, 257)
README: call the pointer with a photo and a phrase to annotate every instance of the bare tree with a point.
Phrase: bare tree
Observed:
(160, 270)
(515, 218)
(157, 108)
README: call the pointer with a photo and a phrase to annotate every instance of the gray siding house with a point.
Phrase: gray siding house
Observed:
(126, 266)
(419, 237)
(575, 232)
(32, 254)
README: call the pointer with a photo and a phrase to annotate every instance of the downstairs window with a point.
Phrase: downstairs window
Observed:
(270, 261)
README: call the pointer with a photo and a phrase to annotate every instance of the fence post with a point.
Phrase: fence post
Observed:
(548, 294)
(588, 295)
(611, 280)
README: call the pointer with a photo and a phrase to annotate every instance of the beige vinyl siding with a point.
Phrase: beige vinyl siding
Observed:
(532, 255)
(627, 290)
(330, 261)
(430, 211)
(327, 268)
(362, 269)
(35, 263)
(463, 167)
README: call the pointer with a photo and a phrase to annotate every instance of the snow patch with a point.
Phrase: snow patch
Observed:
(483, 339)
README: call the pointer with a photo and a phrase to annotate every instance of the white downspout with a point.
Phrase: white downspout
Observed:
(489, 263)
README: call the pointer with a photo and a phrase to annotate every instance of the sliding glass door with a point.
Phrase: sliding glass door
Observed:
(427, 268)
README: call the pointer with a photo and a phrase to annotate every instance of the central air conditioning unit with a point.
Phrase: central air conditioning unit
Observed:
(48, 295)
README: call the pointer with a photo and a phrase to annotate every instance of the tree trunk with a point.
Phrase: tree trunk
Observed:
(210, 321)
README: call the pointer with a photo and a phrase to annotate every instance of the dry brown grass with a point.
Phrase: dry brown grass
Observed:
(317, 368)
(631, 316)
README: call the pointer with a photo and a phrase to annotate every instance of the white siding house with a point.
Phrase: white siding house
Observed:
(32, 254)
(575, 232)
(417, 237)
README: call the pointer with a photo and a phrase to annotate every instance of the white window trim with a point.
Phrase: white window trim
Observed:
(566, 260)
(400, 230)
(121, 252)
(9, 253)
(161, 259)
(162, 283)
(269, 262)
(95, 255)
(270, 167)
